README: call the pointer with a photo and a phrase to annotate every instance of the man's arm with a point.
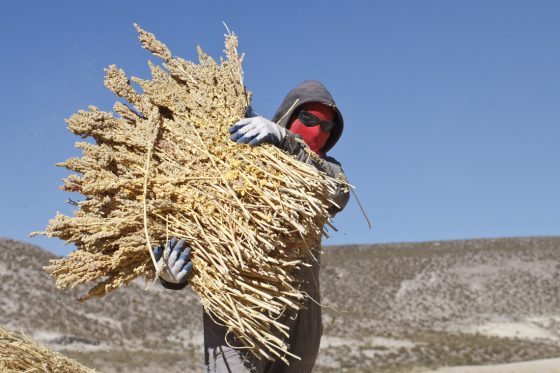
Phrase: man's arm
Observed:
(293, 144)
(257, 130)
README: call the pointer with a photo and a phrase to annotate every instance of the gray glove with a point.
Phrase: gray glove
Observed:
(174, 261)
(257, 130)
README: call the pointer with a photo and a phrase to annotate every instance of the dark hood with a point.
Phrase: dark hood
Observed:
(309, 91)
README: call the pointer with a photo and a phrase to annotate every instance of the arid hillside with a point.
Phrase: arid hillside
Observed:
(392, 308)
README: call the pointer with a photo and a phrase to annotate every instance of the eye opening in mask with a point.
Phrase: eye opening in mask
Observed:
(311, 120)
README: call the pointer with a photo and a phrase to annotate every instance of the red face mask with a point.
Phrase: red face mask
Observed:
(314, 136)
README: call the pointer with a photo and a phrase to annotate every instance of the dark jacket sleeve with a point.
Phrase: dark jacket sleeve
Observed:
(295, 146)
(172, 286)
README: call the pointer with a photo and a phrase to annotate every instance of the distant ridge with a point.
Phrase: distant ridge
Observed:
(531, 240)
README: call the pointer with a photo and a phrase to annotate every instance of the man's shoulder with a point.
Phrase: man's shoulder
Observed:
(330, 159)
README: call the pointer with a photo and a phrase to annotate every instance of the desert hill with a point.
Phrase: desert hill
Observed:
(390, 307)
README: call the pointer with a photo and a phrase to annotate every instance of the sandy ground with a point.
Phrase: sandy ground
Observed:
(535, 366)
(537, 328)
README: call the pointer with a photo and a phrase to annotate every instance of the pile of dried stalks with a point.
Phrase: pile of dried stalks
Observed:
(21, 354)
(166, 168)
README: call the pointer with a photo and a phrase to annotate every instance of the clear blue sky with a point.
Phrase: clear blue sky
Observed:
(452, 108)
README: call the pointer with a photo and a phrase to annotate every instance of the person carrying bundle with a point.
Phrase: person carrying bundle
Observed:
(308, 113)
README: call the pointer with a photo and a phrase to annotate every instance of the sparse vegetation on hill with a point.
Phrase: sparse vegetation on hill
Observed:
(398, 306)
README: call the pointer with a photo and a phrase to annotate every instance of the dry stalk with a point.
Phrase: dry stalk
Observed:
(20, 354)
(164, 166)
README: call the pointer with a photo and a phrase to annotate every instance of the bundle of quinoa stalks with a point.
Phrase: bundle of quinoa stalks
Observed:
(164, 167)
(21, 354)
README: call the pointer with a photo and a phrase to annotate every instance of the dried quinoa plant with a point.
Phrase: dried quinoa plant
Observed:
(21, 354)
(165, 167)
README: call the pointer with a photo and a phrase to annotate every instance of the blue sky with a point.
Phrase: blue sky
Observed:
(452, 108)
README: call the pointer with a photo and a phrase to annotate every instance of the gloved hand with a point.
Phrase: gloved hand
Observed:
(177, 256)
(257, 130)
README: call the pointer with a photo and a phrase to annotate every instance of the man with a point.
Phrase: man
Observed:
(307, 113)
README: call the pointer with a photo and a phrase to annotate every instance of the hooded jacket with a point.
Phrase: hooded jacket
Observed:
(313, 91)
(305, 325)
(309, 91)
